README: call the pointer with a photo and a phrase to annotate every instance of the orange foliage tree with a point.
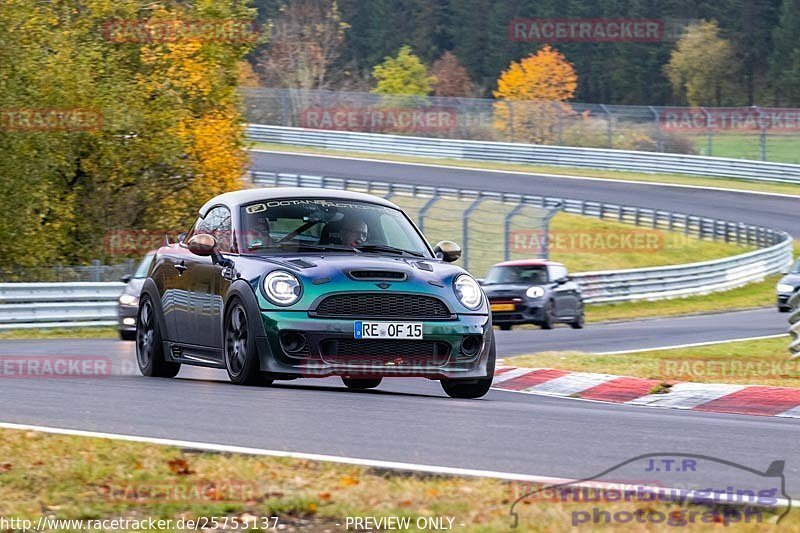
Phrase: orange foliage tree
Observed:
(532, 94)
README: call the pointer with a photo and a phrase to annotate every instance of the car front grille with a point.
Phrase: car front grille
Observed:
(398, 353)
(383, 305)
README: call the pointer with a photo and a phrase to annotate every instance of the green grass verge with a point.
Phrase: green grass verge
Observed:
(678, 179)
(755, 362)
(750, 296)
(779, 148)
(66, 477)
(100, 332)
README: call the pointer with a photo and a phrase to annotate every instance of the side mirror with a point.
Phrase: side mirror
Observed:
(126, 278)
(202, 244)
(447, 251)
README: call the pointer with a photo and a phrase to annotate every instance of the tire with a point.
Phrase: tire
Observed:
(361, 384)
(240, 353)
(470, 389)
(125, 335)
(547, 316)
(505, 327)
(580, 320)
(149, 348)
(782, 309)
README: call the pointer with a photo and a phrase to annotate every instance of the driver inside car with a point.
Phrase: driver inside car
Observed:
(348, 232)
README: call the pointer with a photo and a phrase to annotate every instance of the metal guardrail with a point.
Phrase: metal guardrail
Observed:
(652, 283)
(597, 158)
(745, 132)
(794, 324)
(40, 305)
(47, 305)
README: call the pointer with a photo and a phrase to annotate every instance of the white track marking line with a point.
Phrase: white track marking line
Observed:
(687, 395)
(447, 470)
(541, 174)
(693, 345)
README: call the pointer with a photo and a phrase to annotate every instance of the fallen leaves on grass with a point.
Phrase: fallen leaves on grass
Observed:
(180, 467)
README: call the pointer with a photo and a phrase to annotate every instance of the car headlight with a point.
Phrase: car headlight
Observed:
(785, 287)
(282, 288)
(128, 299)
(534, 292)
(468, 291)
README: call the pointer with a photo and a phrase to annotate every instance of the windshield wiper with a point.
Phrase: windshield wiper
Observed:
(303, 245)
(386, 248)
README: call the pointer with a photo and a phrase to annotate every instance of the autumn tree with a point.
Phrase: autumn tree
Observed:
(404, 74)
(452, 78)
(701, 65)
(169, 135)
(532, 94)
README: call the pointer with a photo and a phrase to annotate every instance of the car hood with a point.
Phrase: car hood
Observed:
(328, 273)
(791, 279)
(134, 287)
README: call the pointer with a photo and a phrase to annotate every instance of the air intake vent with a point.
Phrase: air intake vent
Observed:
(377, 275)
(383, 305)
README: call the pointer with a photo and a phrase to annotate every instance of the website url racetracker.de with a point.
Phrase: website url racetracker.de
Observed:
(228, 523)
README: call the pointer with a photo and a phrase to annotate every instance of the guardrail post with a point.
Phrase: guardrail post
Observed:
(465, 229)
(507, 229)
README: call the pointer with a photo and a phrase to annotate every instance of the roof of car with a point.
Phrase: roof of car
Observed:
(245, 196)
(528, 262)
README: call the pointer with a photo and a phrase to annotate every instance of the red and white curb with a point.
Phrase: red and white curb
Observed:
(709, 397)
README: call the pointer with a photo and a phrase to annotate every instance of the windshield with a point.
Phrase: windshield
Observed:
(312, 224)
(516, 274)
(144, 266)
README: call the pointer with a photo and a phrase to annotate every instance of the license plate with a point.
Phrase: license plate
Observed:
(502, 307)
(388, 330)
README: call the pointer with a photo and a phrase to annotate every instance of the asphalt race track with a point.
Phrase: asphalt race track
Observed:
(777, 212)
(405, 420)
(411, 420)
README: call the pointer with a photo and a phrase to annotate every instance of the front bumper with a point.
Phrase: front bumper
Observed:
(783, 299)
(524, 312)
(126, 317)
(329, 342)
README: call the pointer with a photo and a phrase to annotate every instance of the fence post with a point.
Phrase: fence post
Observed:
(96, 269)
(465, 229)
(608, 125)
(709, 132)
(659, 133)
(507, 225)
(424, 210)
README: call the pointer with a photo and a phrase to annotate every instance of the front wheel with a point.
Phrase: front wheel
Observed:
(580, 319)
(504, 327)
(547, 316)
(472, 388)
(361, 384)
(149, 348)
(241, 355)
